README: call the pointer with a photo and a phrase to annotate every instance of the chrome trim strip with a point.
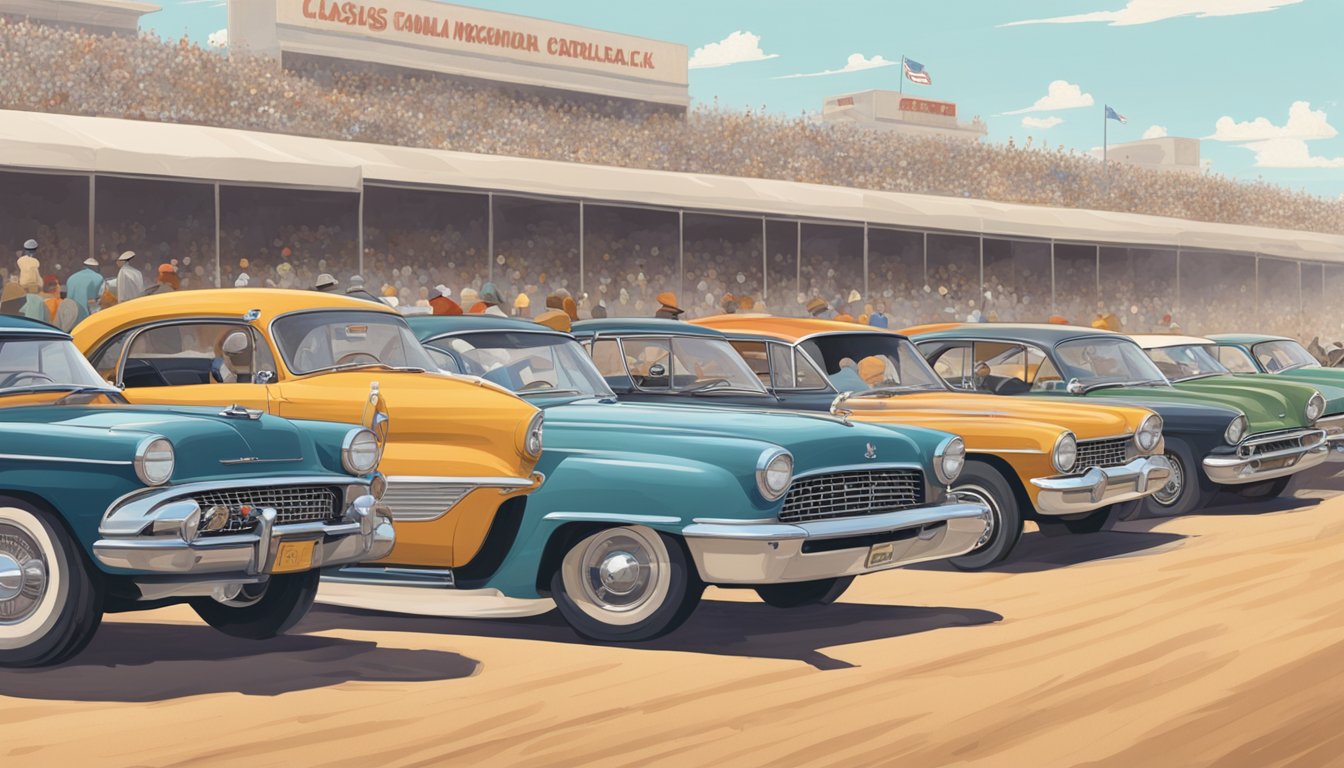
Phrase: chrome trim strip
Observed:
(23, 457)
(483, 482)
(611, 517)
(255, 460)
(842, 527)
(875, 467)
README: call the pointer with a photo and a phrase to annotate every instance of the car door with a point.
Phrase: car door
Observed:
(203, 363)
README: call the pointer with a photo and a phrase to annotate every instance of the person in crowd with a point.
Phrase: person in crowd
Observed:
(667, 306)
(598, 311)
(728, 304)
(469, 298)
(325, 283)
(86, 287)
(818, 307)
(878, 319)
(29, 268)
(521, 303)
(441, 302)
(1058, 320)
(355, 288)
(11, 298)
(66, 316)
(556, 320)
(34, 307)
(167, 281)
(130, 281)
(490, 303)
(51, 294)
(242, 281)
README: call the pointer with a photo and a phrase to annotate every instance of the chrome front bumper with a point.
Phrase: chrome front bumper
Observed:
(771, 553)
(129, 540)
(1100, 486)
(1247, 466)
(1334, 435)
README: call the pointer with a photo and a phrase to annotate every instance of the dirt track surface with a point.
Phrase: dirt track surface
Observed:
(1213, 639)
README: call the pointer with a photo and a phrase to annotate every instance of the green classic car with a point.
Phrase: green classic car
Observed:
(106, 506)
(1246, 439)
(1288, 359)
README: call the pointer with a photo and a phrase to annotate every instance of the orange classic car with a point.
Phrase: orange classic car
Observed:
(459, 453)
(1064, 466)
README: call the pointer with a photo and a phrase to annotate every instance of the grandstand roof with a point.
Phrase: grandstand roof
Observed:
(108, 145)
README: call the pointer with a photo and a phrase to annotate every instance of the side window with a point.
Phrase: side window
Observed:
(1236, 360)
(754, 352)
(806, 374)
(649, 362)
(1045, 376)
(954, 366)
(107, 358)
(606, 354)
(192, 353)
(1005, 361)
(443, 360)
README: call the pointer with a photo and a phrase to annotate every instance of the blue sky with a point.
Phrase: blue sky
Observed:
(1234, 59)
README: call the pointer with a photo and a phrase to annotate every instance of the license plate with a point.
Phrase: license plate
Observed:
(293, 556)
(881, 554)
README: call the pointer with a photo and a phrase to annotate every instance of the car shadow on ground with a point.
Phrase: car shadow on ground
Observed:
(1037, 552)
(718, 627)
(134, 662)
(1230, 504)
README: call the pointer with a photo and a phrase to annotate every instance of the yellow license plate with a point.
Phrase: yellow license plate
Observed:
(881, 554)
(294, 556)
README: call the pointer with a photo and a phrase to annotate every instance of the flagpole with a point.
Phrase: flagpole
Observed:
(1105, 145)
(902, 75)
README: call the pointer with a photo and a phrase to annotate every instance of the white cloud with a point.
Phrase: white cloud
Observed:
(856, 62)
(1303, 123)
(1149, 11)
(1060, 94)
(1289, 153)
(1155, 132)
(1041, 122)
(218, 39)
(738, 48)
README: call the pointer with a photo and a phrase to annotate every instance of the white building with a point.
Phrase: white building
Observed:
(97, 16)
(1168, 153)
(901, 113)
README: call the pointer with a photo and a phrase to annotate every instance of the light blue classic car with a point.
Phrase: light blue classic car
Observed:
(644, 505)
(106, 506)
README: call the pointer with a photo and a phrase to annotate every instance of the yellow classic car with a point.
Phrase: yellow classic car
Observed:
(459, 452)
(1048, 460)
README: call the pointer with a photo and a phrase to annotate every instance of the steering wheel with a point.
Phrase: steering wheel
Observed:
(15, 378)
(354, 357)
(537, 384)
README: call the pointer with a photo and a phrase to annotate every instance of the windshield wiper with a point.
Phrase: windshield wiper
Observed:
(1111, 385)
(730, 390)
(525, 393)
(75, 389)
(357, 366)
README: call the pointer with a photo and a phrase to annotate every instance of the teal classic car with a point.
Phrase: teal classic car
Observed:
(1243, 439)
(1200, 361)
(105, 506)
(643, 506)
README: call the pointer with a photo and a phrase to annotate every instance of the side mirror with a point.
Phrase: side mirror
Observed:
(1076, 387)
(264, 377)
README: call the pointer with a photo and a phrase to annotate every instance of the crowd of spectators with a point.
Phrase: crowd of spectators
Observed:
(61, 70)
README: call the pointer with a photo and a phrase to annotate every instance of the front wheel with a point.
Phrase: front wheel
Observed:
(50, 602)
(261, 611)
(1184, 490)
(799, 593)
(626, 584)
(983, 484)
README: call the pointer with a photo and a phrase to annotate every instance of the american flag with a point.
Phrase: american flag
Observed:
(916, 72)
(1111, 114)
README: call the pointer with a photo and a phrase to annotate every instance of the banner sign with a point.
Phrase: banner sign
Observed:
(943, 108)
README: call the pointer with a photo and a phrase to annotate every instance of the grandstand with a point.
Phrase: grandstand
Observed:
(243, 171)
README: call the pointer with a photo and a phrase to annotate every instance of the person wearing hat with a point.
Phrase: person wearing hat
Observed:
(729, 304)
(491, 298)
(847, 379)
(818, 308)
(1058, 320)
(667, 306)
(325, 283)
(555, 301)
(29, 269)
(357, 290)
(11, 298)
(521, 304)
(167, 281)
(879, 319)
(873, 370)
(469, 298)
(233, 358)
(130, 281)
(571, 308)
(556, 320)
(51, 294)
(598, 312)
(85, 288)
(441, 302)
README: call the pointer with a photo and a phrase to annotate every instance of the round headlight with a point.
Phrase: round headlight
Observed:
(1315, 407)
(774, 473)
(949, 459)
(1065, 454)
(1149, 434)
(1235, 431)
(532, 445)
(154, 460)
(359, 451)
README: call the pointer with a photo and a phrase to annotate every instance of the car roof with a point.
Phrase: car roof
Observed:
(786, 328)
(1163, 340)
(17, 324)
(216, 302)
(1246, 338)
(1039, 333)
(430, 326)
(628, 326)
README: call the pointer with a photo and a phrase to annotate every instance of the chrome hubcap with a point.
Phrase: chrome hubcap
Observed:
(990, 516)
(23, 575)
(618, 572)
(1169, 493)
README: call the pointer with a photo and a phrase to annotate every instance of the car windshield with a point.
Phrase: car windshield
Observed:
(1283, 355)
(44, 365)
(1101, 361)
(334, 339)
(858, 362)
(687, 364)
(1188, 361)
(527, 363)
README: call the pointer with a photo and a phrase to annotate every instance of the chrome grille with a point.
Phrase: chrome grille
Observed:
(301, 504)
(852, 494)
(1107, 452)
(418, 502)
(1259, 445)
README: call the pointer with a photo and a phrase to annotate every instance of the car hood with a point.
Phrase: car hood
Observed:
(962, 411)
(1257, 409)
(816, 441)
(1268, 405)
(1329, 381)
(202, 439)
